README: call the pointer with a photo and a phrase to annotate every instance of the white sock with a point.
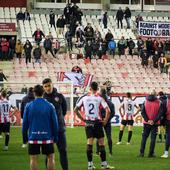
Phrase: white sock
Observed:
(90, 163)
(166, 152)
(104, 163)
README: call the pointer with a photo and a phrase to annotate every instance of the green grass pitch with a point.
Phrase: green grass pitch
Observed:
(124, 156)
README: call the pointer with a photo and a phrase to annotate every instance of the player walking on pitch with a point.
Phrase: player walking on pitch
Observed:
(92, 102)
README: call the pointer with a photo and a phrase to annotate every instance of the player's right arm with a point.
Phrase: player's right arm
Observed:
(120, 110)
(77, 109)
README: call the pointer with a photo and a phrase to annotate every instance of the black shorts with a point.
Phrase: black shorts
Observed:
(36, 149)
(5, 127)
(94, 130)
(127, 122)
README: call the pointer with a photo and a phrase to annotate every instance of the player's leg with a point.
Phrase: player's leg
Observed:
(130, 129)
(34, 151)
(159, 134)
(33, 162)
(108, 131)
(62, 148)
(122, 127)
(6, 132)
(145, 134)
(99, 134)
(48, 149)
(89, 151)
(167, 142)
(97, 147)
(154, 130)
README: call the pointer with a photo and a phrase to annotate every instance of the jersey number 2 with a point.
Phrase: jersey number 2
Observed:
(91, 108)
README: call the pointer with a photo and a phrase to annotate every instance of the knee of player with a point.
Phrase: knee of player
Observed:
(101, 148)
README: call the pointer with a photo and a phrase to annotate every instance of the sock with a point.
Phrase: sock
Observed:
(129, 136)
(160, 137)
(6, 139)
(166, 152)
(167, 142)
(102, 153)
(89, 152)
(120, 135)
(104, 163)
(90, 163)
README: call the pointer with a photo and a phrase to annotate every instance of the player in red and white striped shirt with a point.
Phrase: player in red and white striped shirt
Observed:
(128, 107)
(92, 103)
(5, 108)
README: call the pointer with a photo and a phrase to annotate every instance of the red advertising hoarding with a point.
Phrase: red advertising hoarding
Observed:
(7, 27)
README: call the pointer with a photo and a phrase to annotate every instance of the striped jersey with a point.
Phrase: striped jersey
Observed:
(92, 104)
(129, 109)
(5, 107)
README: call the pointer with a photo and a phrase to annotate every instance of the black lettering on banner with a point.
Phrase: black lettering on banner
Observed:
(91, 108)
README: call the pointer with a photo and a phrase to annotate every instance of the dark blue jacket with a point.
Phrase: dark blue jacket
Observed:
(40, 122)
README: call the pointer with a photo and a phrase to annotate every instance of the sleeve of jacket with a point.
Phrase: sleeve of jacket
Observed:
(160, 113)
(64, 105)
(22, 108)
(25, 125)
(55, 125)
(143, 113)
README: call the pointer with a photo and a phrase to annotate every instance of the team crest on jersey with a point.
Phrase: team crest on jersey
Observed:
(56, 99)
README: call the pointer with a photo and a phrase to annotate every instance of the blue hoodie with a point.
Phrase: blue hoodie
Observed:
(40, 122)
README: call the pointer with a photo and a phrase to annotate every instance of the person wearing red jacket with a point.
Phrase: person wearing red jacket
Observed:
(151, 113)
(4, 48)
(167, 125)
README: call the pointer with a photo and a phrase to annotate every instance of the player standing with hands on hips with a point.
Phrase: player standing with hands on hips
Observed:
(92, 102)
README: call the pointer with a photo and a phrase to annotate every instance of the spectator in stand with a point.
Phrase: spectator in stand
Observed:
(95, 47)
(112, 47)
(167, 45)
(67, 13)
(38, 34)
(131, 46)
(79, 45)
(56, 46)
(68, 37)
(88, 50)
(27, 51)
(140, 46)
(144, 58)
(50, 36)
(76, 69)
(122, 44)
(100, 48)
(162, 62)
(74, 9)
(138, 19)
(60, 24)
(20, 15)
(80, 34)
(97, 34)
(18, 50)
(27, 15)
(105, 18)
(160, 47)
(127, 15)
(149, 47)
(48, 45)
(52, 19)
(108, 37)
(73, 25)
(155, 59)
(2, 78)
(12, 44)
(89, 32)
(79, 15)
(119, 17)
(4, 48)
(37, 54)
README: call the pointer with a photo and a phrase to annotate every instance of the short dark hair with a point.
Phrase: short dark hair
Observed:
(128, 94)
(31, 90)
(38, 90)
(4, 93)
(47, 80)
(94, 86)
(161, 93)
